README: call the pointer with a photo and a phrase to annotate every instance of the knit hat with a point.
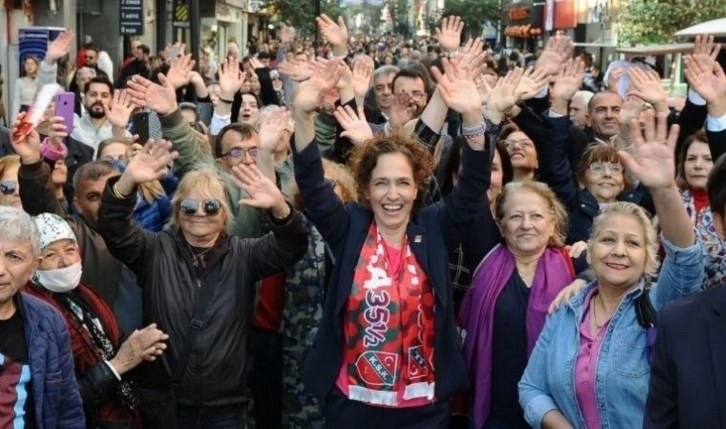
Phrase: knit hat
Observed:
(52, 228)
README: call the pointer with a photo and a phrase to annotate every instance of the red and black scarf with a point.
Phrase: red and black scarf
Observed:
(390, 327)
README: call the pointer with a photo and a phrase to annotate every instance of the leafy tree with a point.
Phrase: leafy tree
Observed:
(301, 14)
(642, 22)
(474, 13)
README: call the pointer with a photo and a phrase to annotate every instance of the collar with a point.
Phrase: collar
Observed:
(577, 303)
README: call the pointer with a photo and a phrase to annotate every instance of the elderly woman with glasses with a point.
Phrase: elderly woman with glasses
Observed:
(199, 285)
(591, 365)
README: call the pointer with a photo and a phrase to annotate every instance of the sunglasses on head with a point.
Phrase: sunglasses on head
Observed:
(8, 187)
(190, 206)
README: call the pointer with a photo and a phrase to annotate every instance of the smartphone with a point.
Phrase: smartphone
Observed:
(140, 126)
(64, 103)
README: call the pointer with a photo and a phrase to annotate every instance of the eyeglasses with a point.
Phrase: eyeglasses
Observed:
(525, 143)
(190, 206)
(8, 187)
(239, 152)
(418, 94)
(598, 168)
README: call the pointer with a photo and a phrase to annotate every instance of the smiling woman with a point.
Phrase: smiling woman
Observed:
(590, 367)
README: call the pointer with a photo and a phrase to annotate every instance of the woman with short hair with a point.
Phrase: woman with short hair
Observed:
(387, 351)
(198, 285)
(591, 365)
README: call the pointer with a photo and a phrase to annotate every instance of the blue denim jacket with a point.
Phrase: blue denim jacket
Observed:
(623, 370)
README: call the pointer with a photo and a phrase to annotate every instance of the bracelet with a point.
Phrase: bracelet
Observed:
(472, 131)
(283, 219)
(224, 100)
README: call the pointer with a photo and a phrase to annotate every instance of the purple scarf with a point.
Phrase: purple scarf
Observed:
(554, 272)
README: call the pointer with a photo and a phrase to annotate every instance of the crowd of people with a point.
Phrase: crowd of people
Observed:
(373, 234)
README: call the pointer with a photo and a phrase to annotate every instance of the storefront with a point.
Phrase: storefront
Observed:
(524, 25)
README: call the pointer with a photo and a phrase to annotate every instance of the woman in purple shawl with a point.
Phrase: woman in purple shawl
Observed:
(505, 307)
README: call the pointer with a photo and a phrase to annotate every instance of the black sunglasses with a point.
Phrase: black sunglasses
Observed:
(189, 206)
(239, 152)
(8, 187)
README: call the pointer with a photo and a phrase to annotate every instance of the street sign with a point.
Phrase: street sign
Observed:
(132, 17)
(181, 14)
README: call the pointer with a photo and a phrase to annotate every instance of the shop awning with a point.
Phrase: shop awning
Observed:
(657, 49)
(716, 27)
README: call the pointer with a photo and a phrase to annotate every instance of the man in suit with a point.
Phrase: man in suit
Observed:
(688, 376)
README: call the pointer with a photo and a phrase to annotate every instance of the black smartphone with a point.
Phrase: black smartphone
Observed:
(140, 126)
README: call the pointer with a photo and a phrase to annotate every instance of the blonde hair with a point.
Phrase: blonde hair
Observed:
(343, 177)
(209, 183)
(651, 237)
(7, 162)
(559, 214)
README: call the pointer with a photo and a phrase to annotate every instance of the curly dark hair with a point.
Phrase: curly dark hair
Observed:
(365, 158)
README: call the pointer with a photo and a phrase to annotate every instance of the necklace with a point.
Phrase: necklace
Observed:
(198, 258)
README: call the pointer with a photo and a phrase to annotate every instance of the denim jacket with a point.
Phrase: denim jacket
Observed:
(622, 372)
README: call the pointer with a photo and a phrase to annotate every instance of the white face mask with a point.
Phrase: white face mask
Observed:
(62, 279)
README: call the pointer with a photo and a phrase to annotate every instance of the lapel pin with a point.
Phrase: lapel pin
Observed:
(417, 239)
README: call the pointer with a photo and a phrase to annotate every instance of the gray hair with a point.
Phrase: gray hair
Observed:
(384, 71)
(17, 225)
(585, 95)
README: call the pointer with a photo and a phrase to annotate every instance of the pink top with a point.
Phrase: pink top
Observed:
(394, 261)
(586, 368)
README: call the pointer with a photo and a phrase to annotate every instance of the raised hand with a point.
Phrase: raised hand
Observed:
(458, 91)
(614, 78)
(309, 94)
(28, 147)
(231, 78)
(263, 193)
(296, 70)
(402, 110)
(554, 55)
(142, 345)
(57, 131)
(647, 86)
(287, 34)
(180, 71)
(159, 98)
(706, 77)
(335, 33)
(120, 109)
(631, 109)
(60, 47)
(705, 49)
(362, 74)
(504, 96)
(654, 161)
(151, 163)
(569, 80)
(271, 129)
(531, 83)
(449, 35)
(354, 124)
(473, 54)
(484, 89)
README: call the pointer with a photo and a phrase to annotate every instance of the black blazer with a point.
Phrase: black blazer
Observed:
(688, 376)
(432, 231)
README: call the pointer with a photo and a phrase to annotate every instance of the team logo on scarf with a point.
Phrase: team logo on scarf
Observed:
(390, 327)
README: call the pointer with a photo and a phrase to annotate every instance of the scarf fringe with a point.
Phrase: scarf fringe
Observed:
(373, 397)
(420, 390)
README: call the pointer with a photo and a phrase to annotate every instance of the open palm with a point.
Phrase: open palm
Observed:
(119, 112)
(449, 35)
(354, 124)
(654, 161)
(159, 98)
(151, 163)
(272, 127)
(503, 95)
(263, 193)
